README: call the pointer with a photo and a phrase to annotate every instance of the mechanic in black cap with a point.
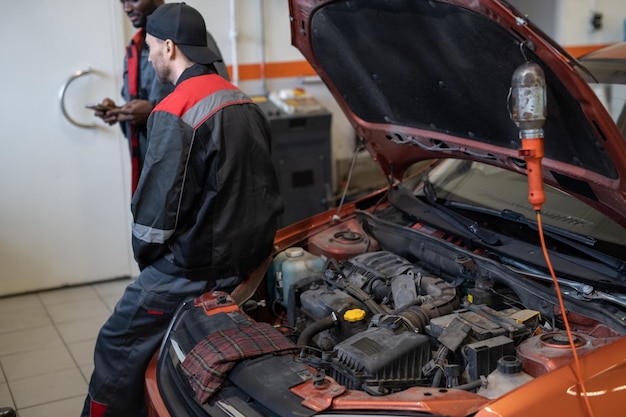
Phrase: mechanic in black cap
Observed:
(205, 210)
(185, 27)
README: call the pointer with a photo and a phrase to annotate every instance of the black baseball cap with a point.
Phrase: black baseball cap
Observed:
(185, 26)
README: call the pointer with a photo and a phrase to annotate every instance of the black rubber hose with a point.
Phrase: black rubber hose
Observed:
(316, 327)
(439, 360)
(444, 301)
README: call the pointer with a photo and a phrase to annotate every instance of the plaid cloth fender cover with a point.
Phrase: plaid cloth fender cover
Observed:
(208, 363)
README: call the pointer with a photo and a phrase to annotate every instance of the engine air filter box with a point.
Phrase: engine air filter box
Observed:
(380, 357)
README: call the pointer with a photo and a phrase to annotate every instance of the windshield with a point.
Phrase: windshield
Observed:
(486, 186)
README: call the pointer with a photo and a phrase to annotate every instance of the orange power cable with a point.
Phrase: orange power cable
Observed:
(577, 369)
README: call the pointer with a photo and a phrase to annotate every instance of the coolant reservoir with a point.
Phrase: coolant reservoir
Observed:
(292, 265)
(506, 377)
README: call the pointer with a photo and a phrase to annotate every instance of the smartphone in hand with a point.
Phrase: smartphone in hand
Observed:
(98, 107)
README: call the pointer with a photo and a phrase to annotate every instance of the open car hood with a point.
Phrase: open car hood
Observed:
(422, 79)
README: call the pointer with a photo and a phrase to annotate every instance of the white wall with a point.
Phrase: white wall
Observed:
(64, 187)
(573, 22)
(569, 21)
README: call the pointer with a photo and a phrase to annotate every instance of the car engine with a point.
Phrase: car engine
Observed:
(414, 312)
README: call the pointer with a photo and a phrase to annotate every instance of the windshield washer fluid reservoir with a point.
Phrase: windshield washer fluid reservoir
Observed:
(506, 377)
(292, 265)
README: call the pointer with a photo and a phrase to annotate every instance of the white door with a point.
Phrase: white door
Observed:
(64, 189)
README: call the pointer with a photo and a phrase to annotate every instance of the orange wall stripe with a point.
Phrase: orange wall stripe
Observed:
(578, 51)
(288, 69)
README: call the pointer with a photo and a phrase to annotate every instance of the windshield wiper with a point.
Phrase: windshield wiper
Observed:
(582, 291)
(519, 218)
(458, 220)
(583, 244)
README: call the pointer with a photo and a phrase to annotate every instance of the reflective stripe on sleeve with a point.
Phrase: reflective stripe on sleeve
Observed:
(150, 234)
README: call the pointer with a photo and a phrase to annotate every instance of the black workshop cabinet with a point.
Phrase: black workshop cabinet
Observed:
(301, 152)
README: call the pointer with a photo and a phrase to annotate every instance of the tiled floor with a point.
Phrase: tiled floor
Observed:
(46, 347)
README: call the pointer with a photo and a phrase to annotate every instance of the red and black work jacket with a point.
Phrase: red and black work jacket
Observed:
(207, 202)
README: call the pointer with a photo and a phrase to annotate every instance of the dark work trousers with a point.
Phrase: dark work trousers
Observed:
(129, 339)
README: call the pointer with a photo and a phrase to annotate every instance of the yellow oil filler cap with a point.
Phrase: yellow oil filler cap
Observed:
(354, 315)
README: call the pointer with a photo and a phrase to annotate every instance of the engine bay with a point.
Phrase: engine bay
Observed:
(418, 310)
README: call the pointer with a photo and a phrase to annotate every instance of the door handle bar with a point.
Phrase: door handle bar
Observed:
(62, 92)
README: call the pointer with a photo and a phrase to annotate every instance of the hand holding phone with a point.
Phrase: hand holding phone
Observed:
(98, 107)
(103, 111)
